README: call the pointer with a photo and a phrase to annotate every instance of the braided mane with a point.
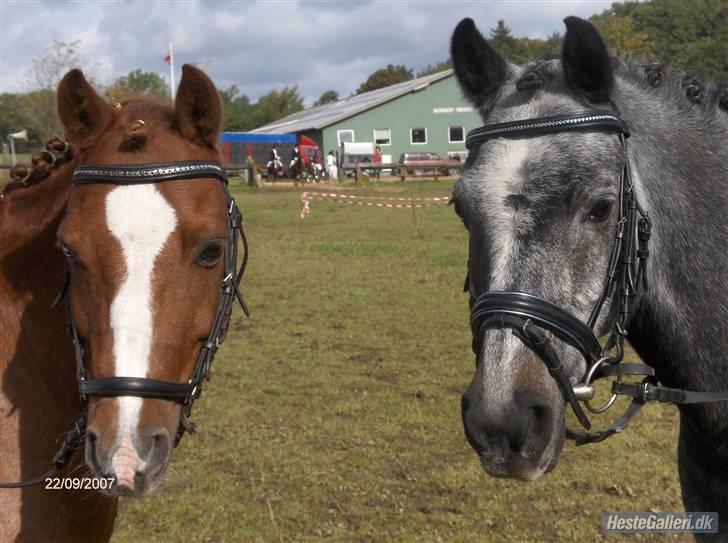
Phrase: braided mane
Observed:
(678, 87)
(43, 163)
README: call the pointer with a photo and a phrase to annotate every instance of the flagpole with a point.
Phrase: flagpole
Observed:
(12, 148)
(171, 71)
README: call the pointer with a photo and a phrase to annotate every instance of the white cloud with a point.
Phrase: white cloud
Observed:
(260, 45)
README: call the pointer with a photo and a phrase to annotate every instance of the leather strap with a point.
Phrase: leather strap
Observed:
(547, 125)
(70, 444)
(624, 368)
(136, 386)
(543, 312)
(647, 392)
(617, 426)
(148, 173)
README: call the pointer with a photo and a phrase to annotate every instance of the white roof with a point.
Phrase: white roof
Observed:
(316, 118)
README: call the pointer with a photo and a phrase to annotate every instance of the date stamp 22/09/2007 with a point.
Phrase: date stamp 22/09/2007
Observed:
(79, 483)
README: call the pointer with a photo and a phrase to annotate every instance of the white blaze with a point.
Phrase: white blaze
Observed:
(505, 176)
(141, 220)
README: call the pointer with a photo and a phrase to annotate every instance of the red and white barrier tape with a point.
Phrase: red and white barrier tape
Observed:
(353, 199)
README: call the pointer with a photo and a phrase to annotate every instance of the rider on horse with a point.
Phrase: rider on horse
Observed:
(295, 155)
(275, 159)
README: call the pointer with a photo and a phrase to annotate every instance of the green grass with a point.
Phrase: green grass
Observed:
(6, 159)
(334, 411)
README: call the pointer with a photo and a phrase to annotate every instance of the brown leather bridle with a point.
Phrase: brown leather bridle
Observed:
(183, 393)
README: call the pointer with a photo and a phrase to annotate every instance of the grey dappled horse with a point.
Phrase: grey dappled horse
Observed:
(541, 214)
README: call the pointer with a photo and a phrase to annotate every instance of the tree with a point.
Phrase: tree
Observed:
(553, 44)
(689, 35)
(237, 110)
(39, 105)
(435, 68)
(327, 97)
(13, 120)
(502, 41)
(139, 82)
(276, 105)
(384, 77)
(620, 34)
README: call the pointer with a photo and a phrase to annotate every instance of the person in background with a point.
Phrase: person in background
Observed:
(377, 159)
(316, 167)
(331, 170)
(275, 159)
(295, 154)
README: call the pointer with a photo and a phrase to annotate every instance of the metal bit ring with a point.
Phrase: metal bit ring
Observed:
(588, 379)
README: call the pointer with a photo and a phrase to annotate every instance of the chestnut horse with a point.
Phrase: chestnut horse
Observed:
(145, 261)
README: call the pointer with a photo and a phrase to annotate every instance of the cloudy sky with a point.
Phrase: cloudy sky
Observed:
(260, 45)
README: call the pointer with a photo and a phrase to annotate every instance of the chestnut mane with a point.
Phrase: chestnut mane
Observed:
(56, 153)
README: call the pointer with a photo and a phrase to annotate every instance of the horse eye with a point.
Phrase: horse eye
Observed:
(210, 255)
(600, 211)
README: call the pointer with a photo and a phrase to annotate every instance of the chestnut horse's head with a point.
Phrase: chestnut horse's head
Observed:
(146, 265)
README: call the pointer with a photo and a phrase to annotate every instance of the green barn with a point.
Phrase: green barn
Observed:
(425, 114)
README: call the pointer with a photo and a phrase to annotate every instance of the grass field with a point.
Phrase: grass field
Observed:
(7, 159)
(334, 411)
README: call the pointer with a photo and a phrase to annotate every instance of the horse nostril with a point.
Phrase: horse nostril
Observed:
(92, 451)
(517, 429)
(540, 423)
(161, 445)
(540, 413)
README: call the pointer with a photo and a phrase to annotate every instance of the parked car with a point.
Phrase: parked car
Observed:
(428, 163)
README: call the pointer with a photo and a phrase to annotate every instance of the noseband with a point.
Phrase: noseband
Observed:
(142, 387)
(530, 317)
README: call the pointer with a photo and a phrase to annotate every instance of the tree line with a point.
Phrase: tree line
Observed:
(691, 36)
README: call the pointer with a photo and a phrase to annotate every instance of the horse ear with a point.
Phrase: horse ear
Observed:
(478, 68)
(83, 113)
(586, 62)
(198, 108)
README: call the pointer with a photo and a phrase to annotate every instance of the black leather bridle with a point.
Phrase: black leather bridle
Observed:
(183, 393)
(530, 317)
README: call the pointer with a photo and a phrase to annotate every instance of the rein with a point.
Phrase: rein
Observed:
(183, 393)
(531, 317)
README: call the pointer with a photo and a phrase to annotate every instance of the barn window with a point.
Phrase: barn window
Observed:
(382, 136)
(418, 136)
(345, 136)
(456, 134)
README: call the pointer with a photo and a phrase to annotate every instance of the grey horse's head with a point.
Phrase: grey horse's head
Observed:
(540, 212)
